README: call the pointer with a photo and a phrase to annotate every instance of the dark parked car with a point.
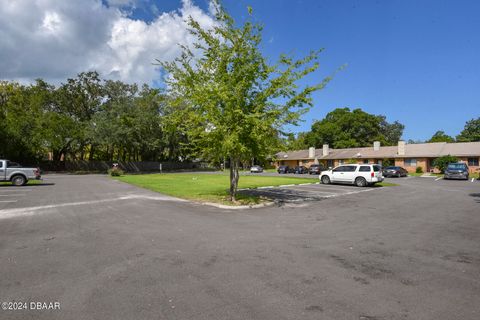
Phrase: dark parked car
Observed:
(456, 171)
(300, 170)
(316, 169)
(283, 169)
(394, 171)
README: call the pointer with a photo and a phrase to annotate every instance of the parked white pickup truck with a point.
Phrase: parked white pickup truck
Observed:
(15, 173)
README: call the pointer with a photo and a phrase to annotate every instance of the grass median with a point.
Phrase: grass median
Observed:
(207, 187)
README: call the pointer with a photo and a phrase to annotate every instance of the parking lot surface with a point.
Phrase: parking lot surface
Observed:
(107, 250)
(305, 192)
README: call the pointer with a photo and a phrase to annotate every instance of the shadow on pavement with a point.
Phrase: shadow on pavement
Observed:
(26, 186)
(475, 195)
(281, 195)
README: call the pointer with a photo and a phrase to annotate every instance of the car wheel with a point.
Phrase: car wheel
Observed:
(360, 182)
(19, 180)
(325, 180)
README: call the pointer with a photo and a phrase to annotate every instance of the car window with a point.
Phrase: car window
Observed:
(364, 169)
(351, 168)
(376, 168)
(340, 169)
(11, 164)
(1, 164)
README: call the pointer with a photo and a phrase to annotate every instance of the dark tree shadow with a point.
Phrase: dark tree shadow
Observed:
(475, 195)
(27, 185)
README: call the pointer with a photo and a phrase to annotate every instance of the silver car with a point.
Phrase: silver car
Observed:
(256, 169)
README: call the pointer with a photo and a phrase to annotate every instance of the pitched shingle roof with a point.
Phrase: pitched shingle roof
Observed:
(427, 150)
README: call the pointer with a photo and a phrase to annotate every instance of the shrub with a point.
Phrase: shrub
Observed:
(387, 163)
(115, 172)
(419, 170)
(442, 162)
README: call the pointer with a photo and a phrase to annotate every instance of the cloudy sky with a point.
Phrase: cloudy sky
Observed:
(55, 39)
(413, 61)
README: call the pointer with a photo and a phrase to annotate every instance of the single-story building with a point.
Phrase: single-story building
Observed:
(409, 156)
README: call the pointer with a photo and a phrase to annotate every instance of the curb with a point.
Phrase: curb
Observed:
(224, 206)
(280, 186)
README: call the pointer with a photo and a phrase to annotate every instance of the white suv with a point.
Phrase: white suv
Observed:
(361, 175)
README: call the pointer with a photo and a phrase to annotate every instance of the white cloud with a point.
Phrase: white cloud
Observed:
(54, 40)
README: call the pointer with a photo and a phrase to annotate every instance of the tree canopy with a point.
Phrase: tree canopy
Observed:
(230, 102)
(441, 136)
(86, 118)
(345, 128)
(471, 131)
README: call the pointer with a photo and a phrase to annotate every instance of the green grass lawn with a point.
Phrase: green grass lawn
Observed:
(206, 187)
(385, 184)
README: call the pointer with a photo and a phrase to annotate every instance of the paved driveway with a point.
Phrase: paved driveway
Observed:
(107, 250)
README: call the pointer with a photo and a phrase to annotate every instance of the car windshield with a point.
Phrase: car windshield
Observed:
(392, 168)
(456, 166)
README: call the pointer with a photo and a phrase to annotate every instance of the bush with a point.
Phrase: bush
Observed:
(442, 162)
(419, 170)
(387, 163)
(115, 172)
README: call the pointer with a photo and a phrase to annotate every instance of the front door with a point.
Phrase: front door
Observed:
(338, 174)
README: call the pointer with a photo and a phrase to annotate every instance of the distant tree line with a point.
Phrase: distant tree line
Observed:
(86, 118)
(345, 128)
(470, 133)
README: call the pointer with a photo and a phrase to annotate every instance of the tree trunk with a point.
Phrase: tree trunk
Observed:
(234, 176)
(92, 152)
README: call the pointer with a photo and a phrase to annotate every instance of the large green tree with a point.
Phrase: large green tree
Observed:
(231, 103)
(471, 131)
(441, 136)
(345, 128)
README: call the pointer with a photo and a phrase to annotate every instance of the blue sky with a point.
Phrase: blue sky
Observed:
(413, 61)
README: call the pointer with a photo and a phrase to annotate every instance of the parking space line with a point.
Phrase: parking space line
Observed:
(473, 179)
(340, 188)
(13, 195)
(7, 213)
(15, 190)
(438, 179)
(4, 201)
(311, 191)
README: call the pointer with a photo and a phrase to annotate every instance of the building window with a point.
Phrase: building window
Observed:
(473, 162)
(410, 162)
(365, 161)
(341, 161)
(329, 163)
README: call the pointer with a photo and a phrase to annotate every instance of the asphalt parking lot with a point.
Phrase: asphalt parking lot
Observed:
(103, 249)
